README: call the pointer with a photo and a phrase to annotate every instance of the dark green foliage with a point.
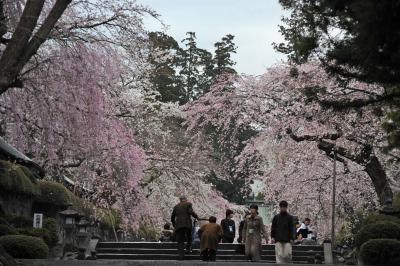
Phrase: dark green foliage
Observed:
(189, 71)
(377, 230)
(378, 217)
(17, 179)
(53, 193)
(37, 232)
(223, 55)
(51, 225)
(196, 68)
(164, 76)
(367, 48)
(26, 247)
(234, 190)
(21, 221)
(7, 230)
(381, 252)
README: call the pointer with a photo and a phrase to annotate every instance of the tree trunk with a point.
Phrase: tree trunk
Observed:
(23, 45)
(372, 165)
(379, 179)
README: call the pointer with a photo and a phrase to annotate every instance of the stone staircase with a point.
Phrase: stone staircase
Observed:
(168, 251)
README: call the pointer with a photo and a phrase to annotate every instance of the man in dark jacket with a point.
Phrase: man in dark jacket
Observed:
(182, 222)
(282, 234)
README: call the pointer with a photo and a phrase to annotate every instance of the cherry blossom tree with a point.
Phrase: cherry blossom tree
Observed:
(65, 119)
(296, 136)
(89, 21)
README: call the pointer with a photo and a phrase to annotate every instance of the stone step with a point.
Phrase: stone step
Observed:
(195, 251)
(155, 251)
(157, 257)
(173, 245)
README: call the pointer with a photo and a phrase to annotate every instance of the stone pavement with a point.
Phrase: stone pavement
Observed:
(142, 263)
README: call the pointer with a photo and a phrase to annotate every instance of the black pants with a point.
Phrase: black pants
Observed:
(209, 255)
(182, 235)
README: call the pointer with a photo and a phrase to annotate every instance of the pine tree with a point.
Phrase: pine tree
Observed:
(223, 55)
(165, 77)
(196, 67)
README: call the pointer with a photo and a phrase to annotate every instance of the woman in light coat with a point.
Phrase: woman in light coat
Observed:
(253, 231)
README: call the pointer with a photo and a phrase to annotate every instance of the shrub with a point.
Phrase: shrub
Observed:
(80, 205)
(381, 252)
(37, 232)
(7, 230)
(55, 194)
(377, 230)
(25, 247)
(378, 217)
(51, 225)
(148, 231)
(52, 193)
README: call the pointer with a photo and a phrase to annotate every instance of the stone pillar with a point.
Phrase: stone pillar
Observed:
(328, 255)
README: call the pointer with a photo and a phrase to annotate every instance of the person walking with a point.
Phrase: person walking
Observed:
(241, 225)
(182, 222)
(253, 230)
(228, 227)
(210, 235)
(283, 234)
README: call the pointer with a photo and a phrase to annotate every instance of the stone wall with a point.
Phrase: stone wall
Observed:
(16, 204)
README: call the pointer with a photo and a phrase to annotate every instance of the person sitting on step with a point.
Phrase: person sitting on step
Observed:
(167, 234)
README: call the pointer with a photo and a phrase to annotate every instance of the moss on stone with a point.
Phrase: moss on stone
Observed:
(17, 179)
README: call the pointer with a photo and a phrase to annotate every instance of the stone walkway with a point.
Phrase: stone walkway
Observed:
(141, 263)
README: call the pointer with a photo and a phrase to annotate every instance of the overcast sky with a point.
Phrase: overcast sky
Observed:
(253, 22)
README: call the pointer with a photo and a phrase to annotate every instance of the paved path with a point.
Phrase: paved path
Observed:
(142, 263)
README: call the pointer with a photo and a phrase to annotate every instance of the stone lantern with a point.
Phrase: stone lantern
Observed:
(68, 218)
(83, 232)
(83, 225)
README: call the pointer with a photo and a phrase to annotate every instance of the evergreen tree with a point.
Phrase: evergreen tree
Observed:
(164, 77)
(196, 66)
(223, 55)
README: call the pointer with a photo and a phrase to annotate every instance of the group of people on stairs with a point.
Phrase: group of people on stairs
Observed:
(251, 232)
